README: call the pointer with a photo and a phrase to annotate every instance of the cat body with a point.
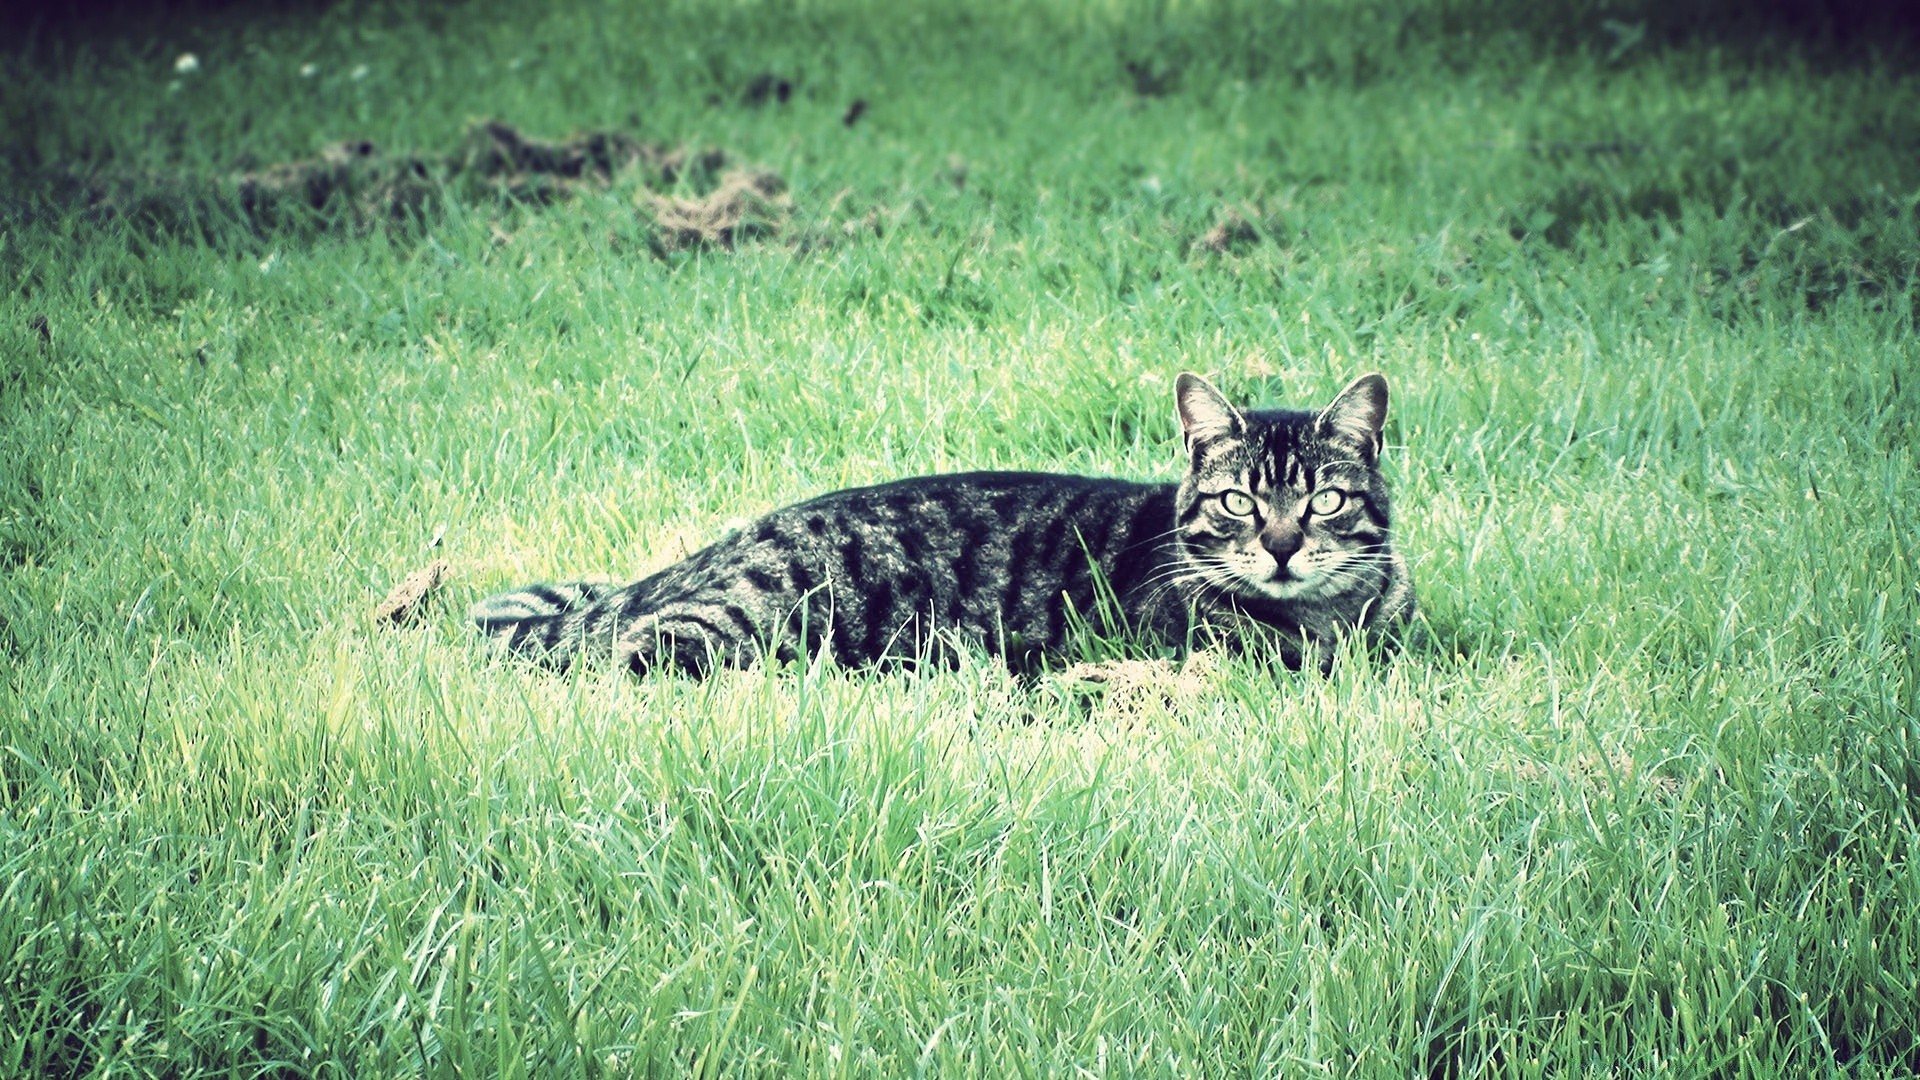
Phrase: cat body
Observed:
(1282, 520)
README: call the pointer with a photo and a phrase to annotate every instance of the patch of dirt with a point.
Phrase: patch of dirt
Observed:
(1152, 77)
(499, 154)
(694, 196)
(766, 87)
(371, 185)
(1237, 228)
(351, 177)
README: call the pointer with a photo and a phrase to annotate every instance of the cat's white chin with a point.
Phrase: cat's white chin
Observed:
(1289, 588)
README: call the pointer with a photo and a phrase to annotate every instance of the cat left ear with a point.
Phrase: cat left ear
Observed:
(1359, 412)
(1204, 413)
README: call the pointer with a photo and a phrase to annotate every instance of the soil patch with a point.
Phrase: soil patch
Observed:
(1237, 228)
(767, 87)
(693, 196)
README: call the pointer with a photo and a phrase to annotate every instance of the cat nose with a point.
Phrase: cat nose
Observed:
(1281, 538)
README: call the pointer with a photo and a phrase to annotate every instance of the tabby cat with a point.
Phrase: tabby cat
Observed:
(1281, 520)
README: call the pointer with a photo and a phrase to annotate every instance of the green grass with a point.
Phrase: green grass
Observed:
(1637, 797)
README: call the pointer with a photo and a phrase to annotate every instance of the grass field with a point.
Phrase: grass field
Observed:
(1639, 796)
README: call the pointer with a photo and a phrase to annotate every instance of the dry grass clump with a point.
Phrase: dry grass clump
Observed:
(406, 599)
(746, 202)
(1133, 687)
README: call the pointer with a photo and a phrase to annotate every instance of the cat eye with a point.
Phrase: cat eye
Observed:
(1327, 501)
(1237, 503)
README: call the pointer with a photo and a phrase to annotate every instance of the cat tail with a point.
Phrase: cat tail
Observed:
(547, 622)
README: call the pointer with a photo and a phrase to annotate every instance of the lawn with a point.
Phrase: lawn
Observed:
(298, 301)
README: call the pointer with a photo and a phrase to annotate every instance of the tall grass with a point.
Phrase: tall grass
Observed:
(1636, 797)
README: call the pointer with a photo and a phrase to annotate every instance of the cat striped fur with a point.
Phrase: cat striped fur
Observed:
(1281, 521)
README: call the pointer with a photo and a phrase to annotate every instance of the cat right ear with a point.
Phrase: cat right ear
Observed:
(1204, 413)
(1359, 412)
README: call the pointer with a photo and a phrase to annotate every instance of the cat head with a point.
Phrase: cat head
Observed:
(1280, 504)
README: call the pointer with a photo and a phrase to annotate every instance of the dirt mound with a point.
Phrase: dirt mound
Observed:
(499, 151)
(1237, 227)
(693, 196)
(766, 87)
(364, 185)
(352, 178)
(498, 155)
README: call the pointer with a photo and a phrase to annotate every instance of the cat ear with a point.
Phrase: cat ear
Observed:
(1204, 414)
(1359, 412)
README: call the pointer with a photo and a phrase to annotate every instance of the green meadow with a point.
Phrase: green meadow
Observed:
(283, 320)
